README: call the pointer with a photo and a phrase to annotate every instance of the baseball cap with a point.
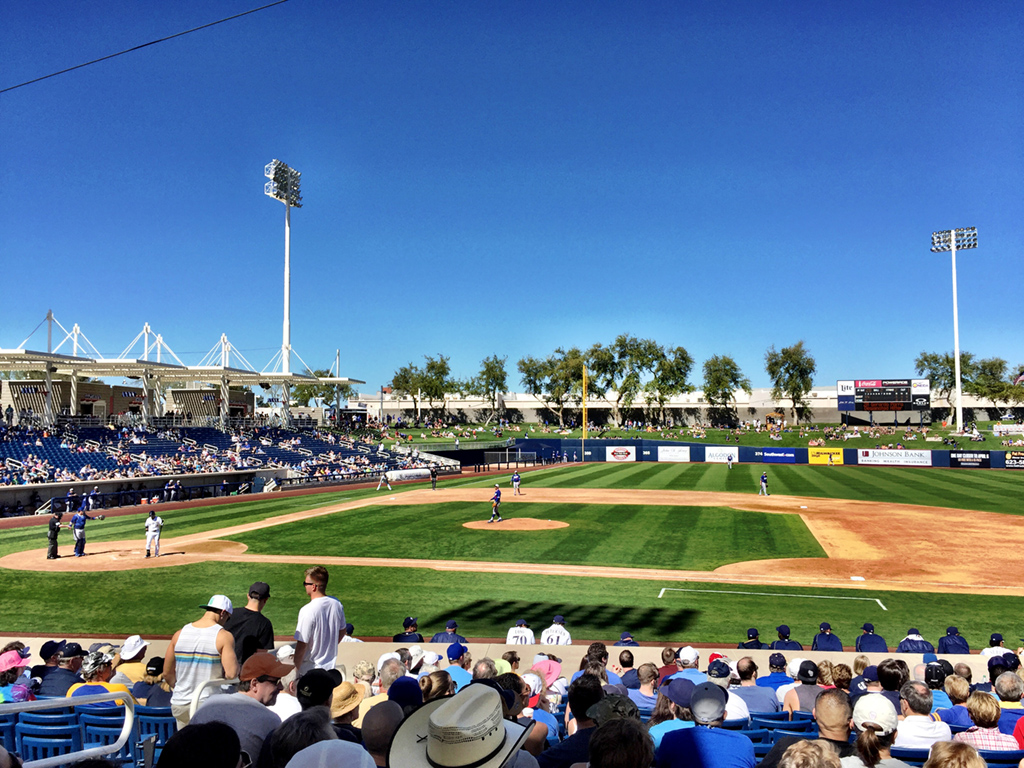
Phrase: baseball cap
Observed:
(12, 660)
(316, 686)
(496, 485)
(410, 621)
(868, 627)
(808, 672)
(51, 648)
(219, 603)
(776, 660)
(559, 619)
(870, 673)
(687, 654)
(679, 691)
(71, 650)
(714, 656)
(718, 669)
(456, 651)
(625, 636)
(997, 661)
(451, 624)
(350, 630)
(707, 702)
(263, 663)
(752, 633)
(406, 691)
(614, 706)
(934, 673)
(260, 590)
(1012, 662)
(913, 631)
(996, 638)
(874, 708)
(385, 657)
(824, 625)
(952, 631)
(520, 622)
(782, 629)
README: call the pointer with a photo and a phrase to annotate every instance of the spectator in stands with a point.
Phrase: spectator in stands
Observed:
(459, 661)
(331, 753)
(187, 663)
(129, 667)
(449, 635)
(708, 745)
(810, 754)
(918, 730)
(984, 732)
(379, 727)
(758, 698)
(687, 663)
(801, 697)
(57, 682)
(832, 711)
(250, 628)
(891, 677)
(645, 696)
(825, 640)
(321, 624)
(996, 646)
(1009, 687)
(776, 673)
(12, 665)
(390, 671)
(597, 653)
(584, 692)
(436, 684)
(305, 729)
(247, 711)
(784, 643)
(825, 674)
(720, 673)
(753, 641)
(841, 676)
(484, 669)
(344, 710)
(958, 690)
(316, 688)
(869, 642)
(626, 671)
(621, 743)
(97, 669)
(875, 722)
(954, 754)
(914, 643)
(212, 745)
(953, 642)
(409, 633)
(153, 690)
(363, 674)
(556, 634)
(935, 679)
(49, 653)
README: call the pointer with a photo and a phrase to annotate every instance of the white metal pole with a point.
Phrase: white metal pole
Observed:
(73, 410)
(48, 403)
(956, 341)
(286, 345)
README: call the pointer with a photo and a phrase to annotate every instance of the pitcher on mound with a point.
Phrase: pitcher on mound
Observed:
(495, 503)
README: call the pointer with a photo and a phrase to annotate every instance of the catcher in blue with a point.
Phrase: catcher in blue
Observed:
(495, 503)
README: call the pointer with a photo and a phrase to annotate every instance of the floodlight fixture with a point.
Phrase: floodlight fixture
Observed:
(953, 240)
(284, 185)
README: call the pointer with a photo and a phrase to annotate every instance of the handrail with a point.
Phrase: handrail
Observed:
(194, 704)
(89, 752)
(45, 508)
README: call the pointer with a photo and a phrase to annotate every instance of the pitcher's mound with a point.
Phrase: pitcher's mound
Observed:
(518, 524)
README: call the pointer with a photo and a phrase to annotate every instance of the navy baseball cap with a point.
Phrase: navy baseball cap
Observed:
(410, 621)
(752, 633)
(520, 622)
(52, 648)
(719, 669)
(913, 631)
(679, 691)
(952, 631)
(782, 629)
(559, 619)
(72, 649)
(996, 638)
(824, 625)
(776, 660)
(456, 651)
(451, 624)
(868, 627)
(625, 636)
(349, 630)
(997, 661)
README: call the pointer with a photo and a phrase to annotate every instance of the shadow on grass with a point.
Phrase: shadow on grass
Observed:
(580, 620)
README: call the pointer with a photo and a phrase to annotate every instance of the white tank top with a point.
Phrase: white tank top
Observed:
(196, 660)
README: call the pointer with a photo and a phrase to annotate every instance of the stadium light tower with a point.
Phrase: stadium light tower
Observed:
(284, 186)
(951, 240)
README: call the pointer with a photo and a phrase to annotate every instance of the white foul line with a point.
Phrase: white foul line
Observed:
(770, 594)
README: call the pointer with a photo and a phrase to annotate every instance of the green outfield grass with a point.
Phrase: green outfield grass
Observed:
(159, 601)
(639, 536)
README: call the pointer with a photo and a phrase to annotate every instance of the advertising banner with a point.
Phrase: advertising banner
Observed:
(620, 453)
(719, 454)
(778, 455)
(894, 458)
(822, 455)
(680, 453)
(1015, 459)
(971, 459)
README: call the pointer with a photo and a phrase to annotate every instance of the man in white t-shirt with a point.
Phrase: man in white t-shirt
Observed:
(520, 634)
(918, 730)
(556, 634)
(321, 625)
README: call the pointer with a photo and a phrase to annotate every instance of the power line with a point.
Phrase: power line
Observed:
(139, 47)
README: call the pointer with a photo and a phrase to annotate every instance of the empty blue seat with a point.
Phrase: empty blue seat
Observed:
(36, 742)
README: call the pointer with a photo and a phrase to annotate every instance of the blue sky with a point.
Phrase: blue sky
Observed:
(506, 178)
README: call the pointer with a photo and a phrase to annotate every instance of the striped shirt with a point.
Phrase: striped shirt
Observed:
(196, 660)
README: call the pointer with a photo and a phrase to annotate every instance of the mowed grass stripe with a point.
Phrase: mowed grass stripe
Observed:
(639, 536)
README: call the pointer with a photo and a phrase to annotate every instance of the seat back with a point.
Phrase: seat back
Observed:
(996, 757)
(909, 756)
(758, 735)
(102, 711)
(779, 733)
(105, 730)
(46, 718)
(736, 724)
(7, 723)
(36, 742)
(160, 726)
(770, 716)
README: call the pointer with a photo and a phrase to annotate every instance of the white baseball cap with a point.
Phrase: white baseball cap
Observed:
(219, 603)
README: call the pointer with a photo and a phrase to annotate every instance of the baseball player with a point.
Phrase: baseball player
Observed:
(433, 477)
(384, 481)
(515, 484)
(77, 526)
(495, 503)
(153, 526)
(728, 460)
(764, 485)
(520, 634)
(556, 634)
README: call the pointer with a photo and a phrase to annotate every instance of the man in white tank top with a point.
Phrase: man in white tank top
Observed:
(200, 651)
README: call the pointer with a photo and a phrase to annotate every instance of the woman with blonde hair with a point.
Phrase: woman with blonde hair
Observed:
(435, 685)
(985, 711)
(954, 754)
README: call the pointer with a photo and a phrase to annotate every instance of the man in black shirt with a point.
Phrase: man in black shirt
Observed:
(251, 629)
(410, 635)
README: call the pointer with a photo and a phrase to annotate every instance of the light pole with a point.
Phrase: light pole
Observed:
(284, 186)
(951, 240)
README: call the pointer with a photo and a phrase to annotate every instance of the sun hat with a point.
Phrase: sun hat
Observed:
(501, 666)
(458, 731)
(384, 657)
(12, 660)
(417, 656)
(132, 647)
(346, 698)
(327, 754)
(876, 709)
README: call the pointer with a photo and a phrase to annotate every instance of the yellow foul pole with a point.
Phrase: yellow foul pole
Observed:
(583, 443)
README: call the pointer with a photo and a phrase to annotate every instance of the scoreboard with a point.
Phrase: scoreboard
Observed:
(884, 395)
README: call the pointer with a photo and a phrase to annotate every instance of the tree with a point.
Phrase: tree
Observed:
(623, 366)
(722, 377)
(313, 393)
(557, 379)
(492, 381)
(406, 383)
(671, 377)
(940, 370)
(992, 382)
(791, 371)
(435, 381)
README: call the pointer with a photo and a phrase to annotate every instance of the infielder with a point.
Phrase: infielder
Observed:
(153, 526)
(384, 481)
(515, 484)
(764, 485)
(495, 503)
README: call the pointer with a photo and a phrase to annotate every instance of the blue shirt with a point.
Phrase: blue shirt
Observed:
(703, 747)
(447, 638)
(786, 645)
(940, 701)
(497, 495)
(954, 716)
(695, 676)
(459, 676)
(613, 679)
(826, 641)
(665, 727)
(871, 643)
(775, 680)
(953, 644)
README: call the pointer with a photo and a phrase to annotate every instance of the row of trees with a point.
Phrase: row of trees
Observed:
(990, 378)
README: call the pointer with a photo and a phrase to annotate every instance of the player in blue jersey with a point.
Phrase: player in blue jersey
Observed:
(495, 503)
(515, 484)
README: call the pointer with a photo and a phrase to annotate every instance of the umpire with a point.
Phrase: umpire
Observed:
(51, 535)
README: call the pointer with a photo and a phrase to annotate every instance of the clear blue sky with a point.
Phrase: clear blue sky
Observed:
(506, 178)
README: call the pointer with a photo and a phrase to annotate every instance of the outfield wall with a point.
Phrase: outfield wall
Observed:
(620, 451)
